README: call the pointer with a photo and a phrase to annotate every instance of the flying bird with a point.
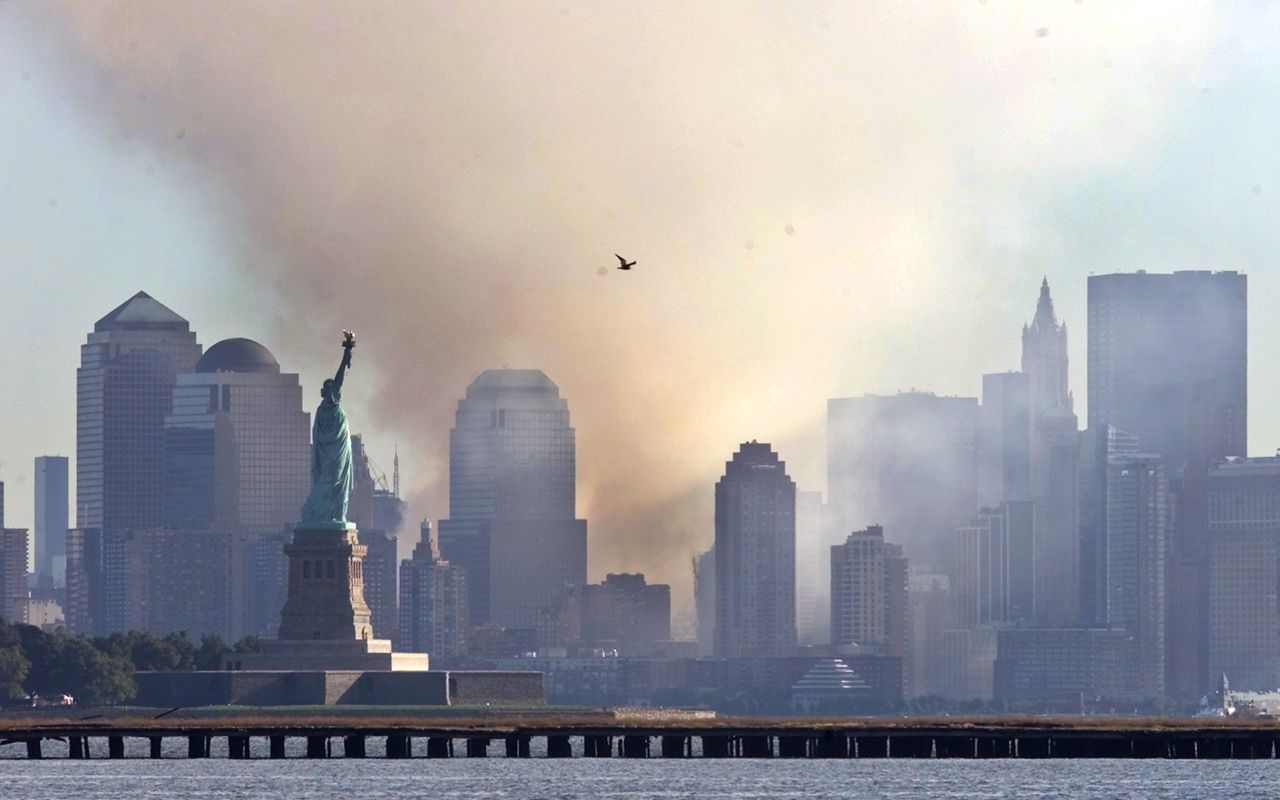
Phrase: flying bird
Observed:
(623, 263)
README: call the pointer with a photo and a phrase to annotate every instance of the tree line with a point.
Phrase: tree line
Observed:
(98, 670)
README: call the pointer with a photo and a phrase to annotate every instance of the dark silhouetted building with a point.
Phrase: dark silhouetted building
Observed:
(755, 551)
(124, 390)
(512, 523)
(51, 521)
(886, 453)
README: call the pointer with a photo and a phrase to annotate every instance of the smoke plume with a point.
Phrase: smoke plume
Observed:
(804, 188)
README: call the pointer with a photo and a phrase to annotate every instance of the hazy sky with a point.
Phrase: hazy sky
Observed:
(824, 200)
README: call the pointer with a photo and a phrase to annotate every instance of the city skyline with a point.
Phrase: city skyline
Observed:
(800, 245)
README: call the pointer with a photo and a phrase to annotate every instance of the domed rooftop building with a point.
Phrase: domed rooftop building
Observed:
(238, 355)
(237, 451)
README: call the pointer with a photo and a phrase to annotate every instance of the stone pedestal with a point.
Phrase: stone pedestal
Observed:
(326, 586)
(324, 625)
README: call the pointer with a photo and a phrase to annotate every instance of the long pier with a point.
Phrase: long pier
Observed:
(594, 737)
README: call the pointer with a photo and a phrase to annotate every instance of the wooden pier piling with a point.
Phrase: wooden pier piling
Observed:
(353, 746)
(559, 747)
(399, 746)
(675, 746)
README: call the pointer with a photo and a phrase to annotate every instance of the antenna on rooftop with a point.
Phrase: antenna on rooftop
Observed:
(395, 473)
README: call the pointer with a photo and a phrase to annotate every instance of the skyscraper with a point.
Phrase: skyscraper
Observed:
(237, 468)
(1005, 446)
(379, 512)
(84, 581)
(704, 598)
(13, 574)
(980, 575)
(886, 453)
(627, 614)
(512, 497)
(811, 589)
(124, 390)
(433, 603)
(755, 551)
(1151, 338)
(1044, 358)
(1054, 452)
(1244, 573)
(869, 594)
(51, 518)
(1137, 547)
(1099, 448)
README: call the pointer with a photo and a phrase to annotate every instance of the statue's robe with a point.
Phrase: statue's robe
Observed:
(330, 464)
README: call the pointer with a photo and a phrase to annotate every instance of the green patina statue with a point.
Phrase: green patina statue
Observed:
(330, 452)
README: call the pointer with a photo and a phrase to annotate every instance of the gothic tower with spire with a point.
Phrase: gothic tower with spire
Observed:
(1054, 455)
(1044, 357)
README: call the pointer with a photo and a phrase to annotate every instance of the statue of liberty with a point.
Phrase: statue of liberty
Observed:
(330, 452)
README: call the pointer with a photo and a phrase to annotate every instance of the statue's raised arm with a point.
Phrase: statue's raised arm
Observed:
(331, 474)
(348, 344)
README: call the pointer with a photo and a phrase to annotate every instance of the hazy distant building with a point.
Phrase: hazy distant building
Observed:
(1005, 445)
(1151, 338)
(433, 603)
(811, 589)
(627, 614)
(930, 612)
(1053, 460)
(379, 512)
(1099, 448)
(13, 574)
(124, 390)
(885, 453)
(51, 523)
(1137, 540)
(704, 598)
(1244, 556)
(1060, 667)
(991, 577)
(267, 576)
(83, 607)
(237, 467)
(1044, 362)
(869, 594)
(379, 570)
(512, 523)
(755, 508)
